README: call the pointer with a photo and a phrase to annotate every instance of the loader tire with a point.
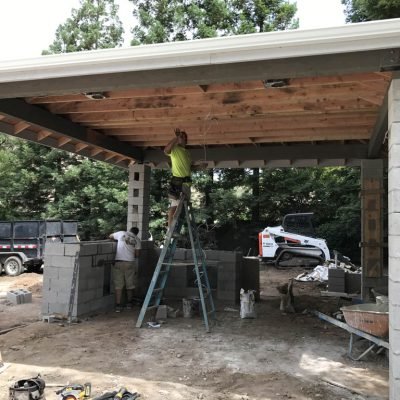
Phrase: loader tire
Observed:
(13, 266)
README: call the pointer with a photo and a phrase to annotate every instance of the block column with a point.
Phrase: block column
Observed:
(394, 238)
(372, 190)
(139, 199)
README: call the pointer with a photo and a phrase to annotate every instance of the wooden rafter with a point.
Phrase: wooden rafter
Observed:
(43, 134)
(20, 126)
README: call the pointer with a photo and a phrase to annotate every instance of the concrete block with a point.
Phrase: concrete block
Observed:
(212, 255)
(161, 312)
(393, 137)
(85, 263)
(100, 261)
(394, 268)
(71, 249)
(394, 343)
(394, 389)
(106, 247)
(26, 296)
(394, 362)
(63, 261)
(394, 90)
(394, 216)
(394, 322)
(15, 297)
(50, 272)
(394, 112)
(180, 254)
(93, 283)
(227, 256)
(88, 249)
(65, 276)
(394, 179)
(394, 292)
(394, 155)
(394, 246)
(53, 249)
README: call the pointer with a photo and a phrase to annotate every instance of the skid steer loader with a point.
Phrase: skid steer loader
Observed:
(288, 245)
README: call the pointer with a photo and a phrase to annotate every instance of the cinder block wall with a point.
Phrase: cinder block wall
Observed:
(228, 272)
(94, 288)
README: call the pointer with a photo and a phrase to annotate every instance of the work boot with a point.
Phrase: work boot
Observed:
(118, 308)
(129, 306)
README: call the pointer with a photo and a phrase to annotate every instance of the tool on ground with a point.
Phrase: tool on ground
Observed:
(121, 394)
(183, 216)
(27, 389)
(75, 391)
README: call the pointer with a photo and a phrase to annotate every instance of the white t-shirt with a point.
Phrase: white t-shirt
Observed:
(126, 246)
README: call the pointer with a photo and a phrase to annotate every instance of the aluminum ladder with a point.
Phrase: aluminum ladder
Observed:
(183, 216)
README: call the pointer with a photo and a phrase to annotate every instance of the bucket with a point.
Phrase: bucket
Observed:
(190, 306)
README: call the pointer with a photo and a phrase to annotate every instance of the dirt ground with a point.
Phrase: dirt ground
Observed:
(275, 356)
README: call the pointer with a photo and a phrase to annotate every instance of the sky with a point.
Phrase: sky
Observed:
(27, 27)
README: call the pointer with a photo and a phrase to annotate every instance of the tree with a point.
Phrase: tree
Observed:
(39, 182)
(95, 25)
(369, 10)
(167, 21)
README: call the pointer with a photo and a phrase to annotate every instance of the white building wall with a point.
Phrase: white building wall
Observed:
(394, 238)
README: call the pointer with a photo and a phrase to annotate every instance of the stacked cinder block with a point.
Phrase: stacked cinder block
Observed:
(94, 279)
(251, 275)
(19, 296)
(139, 198)
(229, 276)
(146, 265)
(228, 272)
(394, 238)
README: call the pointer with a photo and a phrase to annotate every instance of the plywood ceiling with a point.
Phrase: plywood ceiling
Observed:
(330, 109)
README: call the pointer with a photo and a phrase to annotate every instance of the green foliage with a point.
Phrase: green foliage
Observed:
(177, 20)
(370, 10)
(93, 193)
(43, 183)
(95, 25)
(38, 182)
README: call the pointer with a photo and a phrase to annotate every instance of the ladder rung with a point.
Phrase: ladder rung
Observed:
(179, 264)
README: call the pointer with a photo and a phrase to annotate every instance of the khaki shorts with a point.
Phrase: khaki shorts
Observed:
(125, 273)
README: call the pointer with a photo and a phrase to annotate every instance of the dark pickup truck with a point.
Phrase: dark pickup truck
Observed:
(22, 243)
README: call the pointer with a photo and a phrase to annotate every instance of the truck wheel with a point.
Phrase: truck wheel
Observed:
(13, 266)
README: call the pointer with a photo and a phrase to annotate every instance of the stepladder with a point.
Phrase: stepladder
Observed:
(183, 223)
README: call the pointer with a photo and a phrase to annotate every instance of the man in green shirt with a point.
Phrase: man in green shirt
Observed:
(181, 171)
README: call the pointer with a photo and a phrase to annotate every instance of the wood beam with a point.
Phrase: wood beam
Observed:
(35, 115)
(63, 140)
(80, 146)
(51, 141)
(294, 67)
(43, 134)
(20, 126)
(272, 152)
(379, 131)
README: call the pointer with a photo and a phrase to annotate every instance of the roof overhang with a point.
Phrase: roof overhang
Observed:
(155, 87)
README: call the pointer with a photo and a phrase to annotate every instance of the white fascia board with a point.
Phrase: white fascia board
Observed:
(364, 36)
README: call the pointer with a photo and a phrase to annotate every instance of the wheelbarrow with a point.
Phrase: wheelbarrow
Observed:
(367, 321)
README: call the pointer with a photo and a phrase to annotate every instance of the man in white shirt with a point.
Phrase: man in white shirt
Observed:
(125, 268)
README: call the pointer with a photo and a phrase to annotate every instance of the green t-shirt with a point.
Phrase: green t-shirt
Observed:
(181, 162)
